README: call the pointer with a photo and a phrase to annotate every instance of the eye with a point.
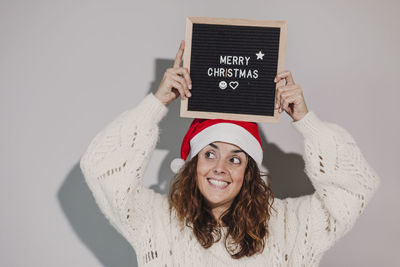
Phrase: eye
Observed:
(210, 155)
(236, 160)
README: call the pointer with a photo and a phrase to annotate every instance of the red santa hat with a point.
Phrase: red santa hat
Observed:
(203, 132)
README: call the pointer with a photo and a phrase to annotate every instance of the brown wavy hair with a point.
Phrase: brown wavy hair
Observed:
(246, 219)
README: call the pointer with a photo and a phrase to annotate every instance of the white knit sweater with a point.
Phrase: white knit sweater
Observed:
(301, 229)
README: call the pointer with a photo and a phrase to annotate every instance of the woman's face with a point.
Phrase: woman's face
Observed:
(220, 173)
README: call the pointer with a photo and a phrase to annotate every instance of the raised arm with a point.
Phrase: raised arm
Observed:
(343, 180)
(344, 183)
(115, 160)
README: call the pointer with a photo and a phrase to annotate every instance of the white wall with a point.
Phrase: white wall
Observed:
(69, 67)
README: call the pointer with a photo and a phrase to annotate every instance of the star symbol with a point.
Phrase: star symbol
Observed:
(260, 55)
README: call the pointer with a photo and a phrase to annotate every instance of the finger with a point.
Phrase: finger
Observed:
(278, 97)
(182, 81)
(287, 75)
(287, 99)
(178, 86)
(173, 74)
(279, 91)
(179, 54)
(186, 75)
(282, 75)
(290, 92)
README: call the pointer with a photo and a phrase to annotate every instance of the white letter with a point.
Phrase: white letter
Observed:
(234, 60)
(255, 73)
(228, 60)
(222, 59)
(249, 73)
(229, 72)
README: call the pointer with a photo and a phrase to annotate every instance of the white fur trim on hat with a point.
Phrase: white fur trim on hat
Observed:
(176, 165)
(229, 133)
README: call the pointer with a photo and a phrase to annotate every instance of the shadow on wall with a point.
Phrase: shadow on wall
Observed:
(89, 223)
(286, 170)
(109, 247)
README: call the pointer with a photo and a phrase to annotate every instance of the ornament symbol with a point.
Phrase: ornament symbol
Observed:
(222, 85)
(234, 85)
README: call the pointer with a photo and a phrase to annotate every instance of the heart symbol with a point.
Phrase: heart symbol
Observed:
(233, 85)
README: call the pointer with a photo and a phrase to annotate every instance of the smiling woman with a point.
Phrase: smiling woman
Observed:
(220, 212)
(224, 152)
(228, 192)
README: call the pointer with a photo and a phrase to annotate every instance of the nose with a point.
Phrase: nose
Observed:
(220, 167)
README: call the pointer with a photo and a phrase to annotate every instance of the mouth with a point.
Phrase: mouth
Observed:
(218, 183)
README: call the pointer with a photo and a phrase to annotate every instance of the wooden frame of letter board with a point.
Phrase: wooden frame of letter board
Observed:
(239, 22)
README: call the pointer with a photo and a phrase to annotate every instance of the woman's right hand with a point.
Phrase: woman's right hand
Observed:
(176, 81)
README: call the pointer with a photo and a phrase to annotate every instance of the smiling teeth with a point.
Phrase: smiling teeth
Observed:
(217, 182)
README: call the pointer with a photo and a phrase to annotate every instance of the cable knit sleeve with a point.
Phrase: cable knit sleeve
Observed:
(114, 163)
(344, 183)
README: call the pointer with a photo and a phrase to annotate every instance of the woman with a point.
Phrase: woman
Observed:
(219, 211)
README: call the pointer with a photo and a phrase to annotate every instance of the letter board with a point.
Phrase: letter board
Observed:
(233, 63)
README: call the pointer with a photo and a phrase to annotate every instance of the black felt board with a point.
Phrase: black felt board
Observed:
(254, 96)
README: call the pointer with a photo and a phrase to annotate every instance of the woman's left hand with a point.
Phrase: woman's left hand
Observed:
(290, 97)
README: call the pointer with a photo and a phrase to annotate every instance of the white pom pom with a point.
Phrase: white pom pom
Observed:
(263, 169)
(177, 164)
